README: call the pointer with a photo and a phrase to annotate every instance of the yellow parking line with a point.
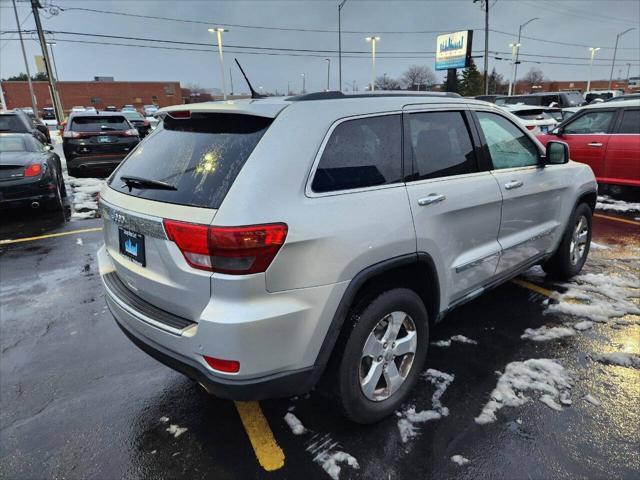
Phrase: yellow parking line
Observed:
(535, 288)
(617, 219)
(269, 454)
(50, 235)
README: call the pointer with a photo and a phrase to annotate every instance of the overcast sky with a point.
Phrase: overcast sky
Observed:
(582, 23)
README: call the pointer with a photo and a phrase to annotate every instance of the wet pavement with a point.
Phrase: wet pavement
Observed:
(78, 400)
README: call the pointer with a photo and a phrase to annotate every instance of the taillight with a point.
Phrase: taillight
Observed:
(227, 366)
(231, 250)
(33, 170)
(181, 114)
(531, 127)
(146, 123)
(132, 132)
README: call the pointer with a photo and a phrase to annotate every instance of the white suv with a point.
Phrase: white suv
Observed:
(260, 246)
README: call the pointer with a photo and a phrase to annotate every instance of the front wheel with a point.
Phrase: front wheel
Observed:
(574, 247)
(383, 355)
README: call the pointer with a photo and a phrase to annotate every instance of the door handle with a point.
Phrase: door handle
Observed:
(594, 144)
(513, 184)
(431, 199)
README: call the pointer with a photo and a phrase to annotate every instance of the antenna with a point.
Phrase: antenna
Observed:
(254, 94)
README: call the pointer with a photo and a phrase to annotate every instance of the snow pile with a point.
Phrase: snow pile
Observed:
(324, 452)
(176, 430)
(583, 325)
(610, 205)
(544, 333)
(622, 359)
(537, 375)
(409, 418)
(85, 192)
(455, 338)
(598, 246)
(598, 297)
(294, 424)
(460, 460)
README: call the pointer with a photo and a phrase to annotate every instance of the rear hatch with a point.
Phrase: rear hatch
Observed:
(181, 172)
(100, 134)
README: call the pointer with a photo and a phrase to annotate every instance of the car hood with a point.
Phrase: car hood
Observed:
(20, 158)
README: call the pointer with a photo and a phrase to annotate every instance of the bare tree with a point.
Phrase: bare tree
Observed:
(387, 83)
(533, 77)
(195, 88)
(417, 77)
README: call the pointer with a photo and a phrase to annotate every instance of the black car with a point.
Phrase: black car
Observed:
(17, 121)
(100, 141)
(138, 121)
(48, 113)
(545, 99)
(30, 173)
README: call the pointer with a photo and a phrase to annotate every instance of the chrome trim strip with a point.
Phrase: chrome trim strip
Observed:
(149, 226)
(546, 233)
(475, 263)
(140, 316)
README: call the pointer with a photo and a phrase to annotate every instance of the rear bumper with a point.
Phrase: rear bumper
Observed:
(20, 195)
(96, 161)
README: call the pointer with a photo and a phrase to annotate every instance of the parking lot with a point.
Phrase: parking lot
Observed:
(79, 400)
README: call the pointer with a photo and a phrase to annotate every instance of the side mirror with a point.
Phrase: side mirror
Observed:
(42, 128)
(557, 153)
(48, 148)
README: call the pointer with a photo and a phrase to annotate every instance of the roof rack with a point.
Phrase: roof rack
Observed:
(335, 95)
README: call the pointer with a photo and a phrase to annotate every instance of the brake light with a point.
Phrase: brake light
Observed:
(146, 123)
(33, 170)
(231, 250)
(180, 114)
(132, 132)
(531, 127)
(228, 366)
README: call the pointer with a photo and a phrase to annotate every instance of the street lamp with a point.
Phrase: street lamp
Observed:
(593, 54)
(219, 32)
(615, 50)
(514, 53)
(328, 71)
(373, 41)
(515, 71)
(51, 43)
(340, 5)
(304, 79)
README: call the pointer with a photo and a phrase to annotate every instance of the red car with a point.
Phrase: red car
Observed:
(605, 136)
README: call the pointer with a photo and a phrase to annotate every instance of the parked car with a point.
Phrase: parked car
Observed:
(602, 95)
(17, 121)
(91, 141)
(48, 113)
(77, 108)
(489, 98)
(538, 120)
(149, 110)
(110, 108)
(259, 245)
(627, 96)
(39, 124)
(545, 99)
(605, 136)
(138, 122)
(30, 173)
(90, 109)
(128, 108)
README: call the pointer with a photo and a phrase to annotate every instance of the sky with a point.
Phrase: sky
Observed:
(560, 37)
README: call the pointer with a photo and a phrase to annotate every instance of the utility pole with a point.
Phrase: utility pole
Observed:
(34, 104)
(304, 78)
(328, 71)
(628, 73)
(514, 54)
(3, 103)
(615, 50)
(288, 88)
(593, 54)
(485, 3)
(35, 5)
(340, 5)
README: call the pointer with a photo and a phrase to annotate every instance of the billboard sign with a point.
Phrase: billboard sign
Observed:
(453, 50)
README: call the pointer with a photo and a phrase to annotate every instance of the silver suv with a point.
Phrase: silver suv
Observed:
(262, 247)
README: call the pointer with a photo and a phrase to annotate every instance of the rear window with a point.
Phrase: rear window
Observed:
(12, 123)
(12, 143)
(200, 156)
(530, 100)
(98, 123)
(603, 95)
(533, 115)
(574, 99)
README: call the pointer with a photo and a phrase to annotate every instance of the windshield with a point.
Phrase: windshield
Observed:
(200, 156)
(99, 123)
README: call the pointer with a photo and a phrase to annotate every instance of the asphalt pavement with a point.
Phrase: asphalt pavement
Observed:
(78, 400)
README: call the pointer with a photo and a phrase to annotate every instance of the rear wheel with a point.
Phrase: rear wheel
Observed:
(55, 203)
(574, 247)
(382, 355)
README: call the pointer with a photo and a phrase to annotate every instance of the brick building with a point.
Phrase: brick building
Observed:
(97, 93)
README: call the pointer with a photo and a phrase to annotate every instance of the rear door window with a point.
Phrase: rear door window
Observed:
(630, 122)
(200, 157)
(99, 123)
(441, 145)
(361, 153)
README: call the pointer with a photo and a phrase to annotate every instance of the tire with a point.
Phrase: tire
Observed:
(572, 254)
(73, 172)
(55, 204)
(368, 401)
(63, 187)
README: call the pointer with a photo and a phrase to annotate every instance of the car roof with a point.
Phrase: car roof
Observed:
(618, 104)
(521, 106)
(270, 107)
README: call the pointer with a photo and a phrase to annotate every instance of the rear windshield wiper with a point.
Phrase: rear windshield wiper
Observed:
(138, 182)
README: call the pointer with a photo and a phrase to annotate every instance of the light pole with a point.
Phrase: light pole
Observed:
(340, 5)
(615, 50)
(328, 71)
(51, 43)
(219, 32)
(593, 54)
(514, 52)
(515, 73)
(304, 78)
(628, 73)
(373, 41)
(288, 88)
(34, 104)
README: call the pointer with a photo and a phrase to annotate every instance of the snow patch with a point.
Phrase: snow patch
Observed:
(454, 338)
(325, 453)
(593, 400)
(622, 359)
(164, 419)
(79, 241)
(537, 375)
(295, 424)
(544, 333)
(608, 204)
(598, 246)
(84, 192)
(176, 430)
(460, 460)
(583, 325)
